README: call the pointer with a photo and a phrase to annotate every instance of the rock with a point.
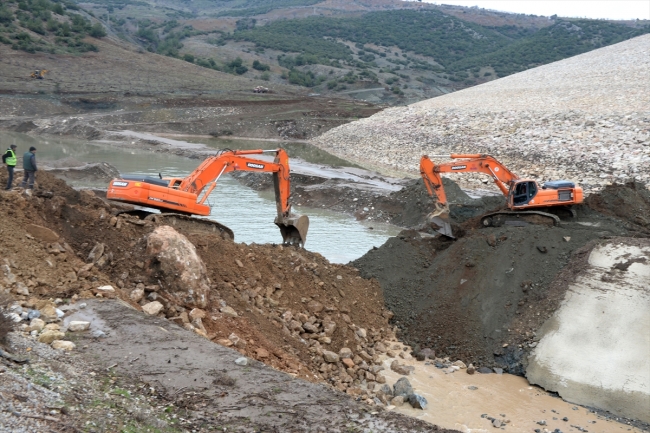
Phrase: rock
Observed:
(397, 401)
(361, 333)
(498, 370)
(405, 355)
(197, 313)
(63, 345)
(237, 341)
(228, 311)
(329, 327)
(98, 333)
(59, 313)
(175, 257)
(78, 325)
(496, 423)
(379, 347)
(225, 342)
(152, 308)
(380, 378)
(491, 240)
(84, 271)
(460, 364)
(345, 353)
(262, 353)
(315, 306)
(96, 253)
(402, 387)
(401, 369)
(36, 325)
(33, 314)
(52, 327)
(417, 401)
(42, 233)
(48, 336)
(348, 362)
(484, 370)
(330, 357)
(21, 289)
(136, 295)
(386, 390)
(48, 313)
(243, 361)
(471, 369)
(310, 328)
(107, 289)
(391, 353)
(425, 354)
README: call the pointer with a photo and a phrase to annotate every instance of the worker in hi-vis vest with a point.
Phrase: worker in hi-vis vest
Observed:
(9, 158)
(29, 165)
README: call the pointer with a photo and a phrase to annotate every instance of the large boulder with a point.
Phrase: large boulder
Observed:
(174, 259)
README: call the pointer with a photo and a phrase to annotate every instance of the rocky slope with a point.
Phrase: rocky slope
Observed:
(585, 118)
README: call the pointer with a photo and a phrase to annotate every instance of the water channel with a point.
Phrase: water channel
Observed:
(339, 238)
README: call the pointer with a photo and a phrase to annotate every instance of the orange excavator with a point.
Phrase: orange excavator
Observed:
(187, 196)
(525, 198)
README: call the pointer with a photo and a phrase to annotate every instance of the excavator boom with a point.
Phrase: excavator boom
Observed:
(522, 194)
(188, 195)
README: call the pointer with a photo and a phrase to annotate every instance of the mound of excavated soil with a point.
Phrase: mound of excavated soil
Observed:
(482, 297)
(281, 305)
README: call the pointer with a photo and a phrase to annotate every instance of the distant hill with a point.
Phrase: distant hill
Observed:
(383, 51)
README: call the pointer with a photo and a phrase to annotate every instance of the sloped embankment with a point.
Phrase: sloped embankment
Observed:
(483, 297)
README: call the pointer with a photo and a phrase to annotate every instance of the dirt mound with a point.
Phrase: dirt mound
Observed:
(481, 298)
(630, 202)
(281, 305)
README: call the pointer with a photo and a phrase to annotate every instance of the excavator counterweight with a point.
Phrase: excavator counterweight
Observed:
(187, 196)
(525, 198)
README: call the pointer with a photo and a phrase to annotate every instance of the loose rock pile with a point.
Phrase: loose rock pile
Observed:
(585, 119)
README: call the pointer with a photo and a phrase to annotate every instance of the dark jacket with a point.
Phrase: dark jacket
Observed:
(29, 161)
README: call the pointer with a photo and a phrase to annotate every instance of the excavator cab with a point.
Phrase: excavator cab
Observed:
(523, 192)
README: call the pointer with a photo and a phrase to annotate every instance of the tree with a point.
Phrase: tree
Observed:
(97, 31)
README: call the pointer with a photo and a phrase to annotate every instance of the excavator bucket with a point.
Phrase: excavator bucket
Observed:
(439, 220)
(293, 229)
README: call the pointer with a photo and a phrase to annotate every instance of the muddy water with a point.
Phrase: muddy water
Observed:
(463, 402)
(249, 214)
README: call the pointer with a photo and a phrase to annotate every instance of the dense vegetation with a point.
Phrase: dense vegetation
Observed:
(459, 46)
(58, 26)
(260, 7)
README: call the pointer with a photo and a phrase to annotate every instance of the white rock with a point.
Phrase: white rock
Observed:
(243, 361)
(78, 325)
(152, 308)
(229, 311)
(63, 345)
(107, 288)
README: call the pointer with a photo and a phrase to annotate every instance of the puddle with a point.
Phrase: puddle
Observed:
(459, 400)
(248, 213)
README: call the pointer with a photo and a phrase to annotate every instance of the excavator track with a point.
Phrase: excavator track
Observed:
(497, 219)
(185, 223)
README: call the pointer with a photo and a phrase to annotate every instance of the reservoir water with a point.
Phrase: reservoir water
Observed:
(339, 238)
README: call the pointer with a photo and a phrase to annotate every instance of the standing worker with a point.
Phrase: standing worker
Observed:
(9, 158)
(29, 165)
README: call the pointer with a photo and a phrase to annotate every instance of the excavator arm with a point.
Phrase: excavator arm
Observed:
(466, 163)
(188, 195)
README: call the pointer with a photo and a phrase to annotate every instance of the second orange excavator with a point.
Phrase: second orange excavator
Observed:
(187, 196)
(525, 197)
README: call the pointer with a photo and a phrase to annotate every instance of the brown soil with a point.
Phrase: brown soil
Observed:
(482, 297)
(263, 283)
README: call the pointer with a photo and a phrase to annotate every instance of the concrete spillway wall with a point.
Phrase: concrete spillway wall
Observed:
(595, 349)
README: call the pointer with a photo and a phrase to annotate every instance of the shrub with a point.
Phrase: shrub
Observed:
(260, 66)
(188, 58)
(265, 76)
(97, 31)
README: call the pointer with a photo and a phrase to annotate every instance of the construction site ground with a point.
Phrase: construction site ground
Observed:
(261, 283)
